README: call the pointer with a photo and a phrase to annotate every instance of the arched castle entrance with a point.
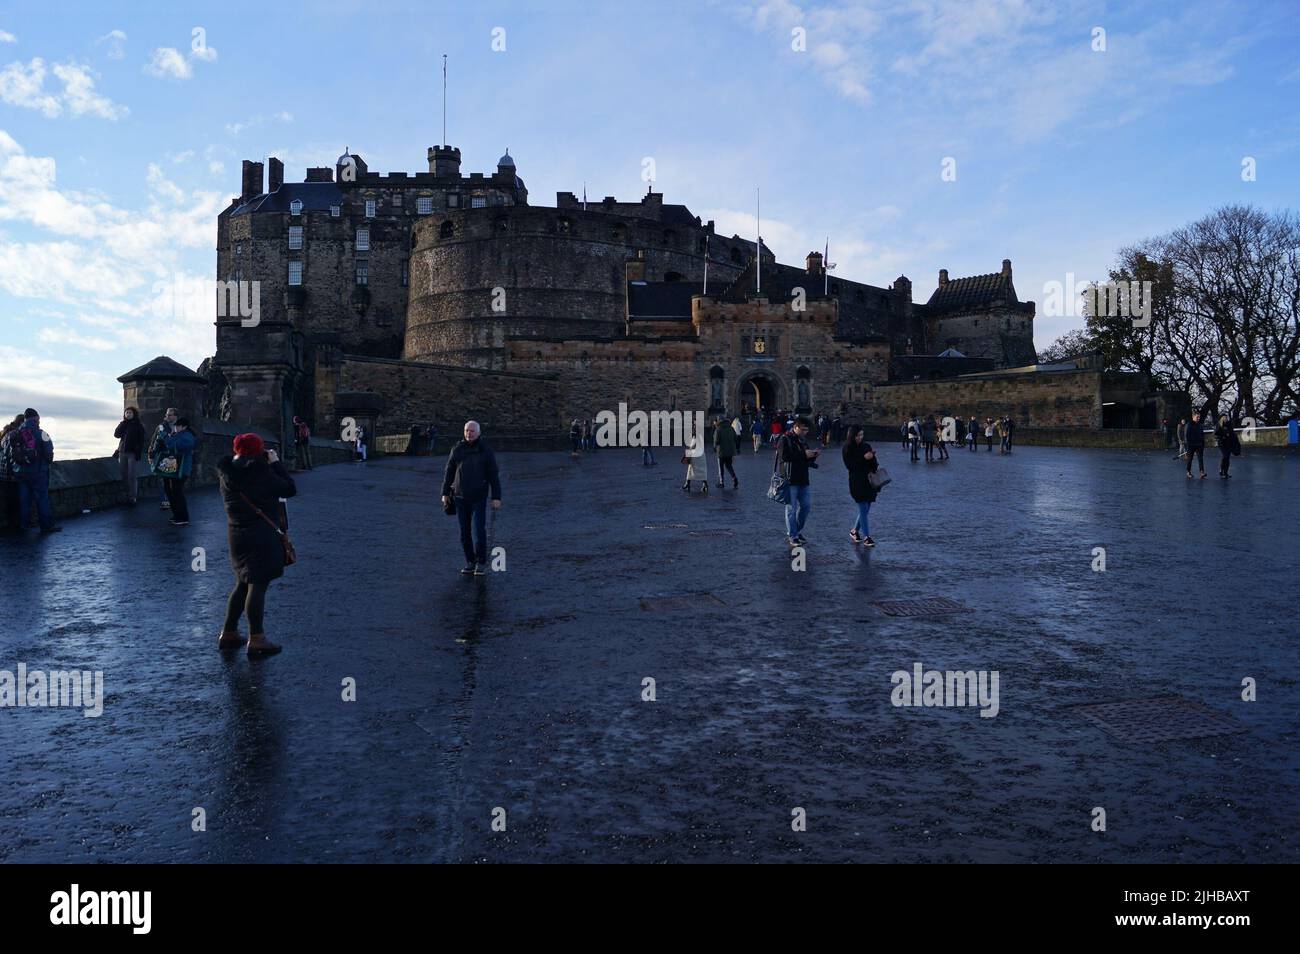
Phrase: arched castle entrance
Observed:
(759, 389)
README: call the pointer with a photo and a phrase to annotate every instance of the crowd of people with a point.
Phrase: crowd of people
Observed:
(933, 435)
(1190, 436)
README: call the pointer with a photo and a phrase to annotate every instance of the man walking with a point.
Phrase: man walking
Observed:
(472, 476)
(302, 442)
(795, 456)
(31, 451)
(724, 445)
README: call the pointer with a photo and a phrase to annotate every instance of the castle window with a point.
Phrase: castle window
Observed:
(295, 207)
(335, 211)
(453, 200)
(363, 240)
(295, 236)
(397, 200)
(446, 230)
(424, 204)
(370, 208)
(239, 250)
(295, 273)
(478, 202)
(363, 273)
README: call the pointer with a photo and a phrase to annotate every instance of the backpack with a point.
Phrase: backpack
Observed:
(25, 447)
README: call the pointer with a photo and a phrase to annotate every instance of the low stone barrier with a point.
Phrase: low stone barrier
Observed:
(94, 483)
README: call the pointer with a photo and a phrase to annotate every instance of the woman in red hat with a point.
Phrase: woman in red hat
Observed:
(252, 483)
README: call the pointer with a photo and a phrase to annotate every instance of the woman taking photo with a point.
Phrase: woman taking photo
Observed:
(860, 459)
(252, 483)
(130, 448)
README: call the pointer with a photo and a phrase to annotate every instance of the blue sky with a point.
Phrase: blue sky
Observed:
(120, 141)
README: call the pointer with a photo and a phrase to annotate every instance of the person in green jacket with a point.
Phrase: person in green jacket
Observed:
(724, 445)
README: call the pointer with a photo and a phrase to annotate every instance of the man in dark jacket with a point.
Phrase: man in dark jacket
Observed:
(794, 455)
(30, 453)
(470, 477)
(724, 445)
(1196, 444)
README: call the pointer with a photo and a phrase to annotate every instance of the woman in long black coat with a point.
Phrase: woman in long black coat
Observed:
(256, 550)
(130, 447)
(861, 461)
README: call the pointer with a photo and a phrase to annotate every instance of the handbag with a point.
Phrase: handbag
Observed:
(779, 489)
(167, 466)
(878, 478)
(290, 554)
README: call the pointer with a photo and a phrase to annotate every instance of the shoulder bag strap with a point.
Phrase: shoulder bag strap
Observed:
(257, 510)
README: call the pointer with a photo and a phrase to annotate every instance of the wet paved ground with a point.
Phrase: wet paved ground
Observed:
(523, 690)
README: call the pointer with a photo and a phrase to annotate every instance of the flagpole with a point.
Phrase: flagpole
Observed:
(758, 245)
(444, 99)
(826, 270)
(706, 264)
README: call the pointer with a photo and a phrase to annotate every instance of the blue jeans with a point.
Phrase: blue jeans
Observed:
(796, 511)
(35, 486)
(476, 548)
(860, 524)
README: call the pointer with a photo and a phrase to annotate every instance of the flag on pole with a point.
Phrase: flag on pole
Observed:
(706, 263)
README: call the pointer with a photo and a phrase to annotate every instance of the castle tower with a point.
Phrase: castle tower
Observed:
(444, 161)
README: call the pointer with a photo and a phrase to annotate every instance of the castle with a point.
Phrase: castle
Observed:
(401, 300)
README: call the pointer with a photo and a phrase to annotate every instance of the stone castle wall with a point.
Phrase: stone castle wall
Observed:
(1070, 399)
(417, 394)
(563, 272)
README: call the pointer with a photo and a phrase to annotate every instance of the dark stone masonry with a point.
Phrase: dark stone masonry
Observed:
(524, 690)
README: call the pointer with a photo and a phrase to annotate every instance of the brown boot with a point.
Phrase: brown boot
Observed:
(230, 640)
(259, 645)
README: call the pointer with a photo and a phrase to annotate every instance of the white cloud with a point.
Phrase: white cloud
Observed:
(167, 63)
(67, 336)
(114, 40)
(6, 37)
(216, 167)
(79, 93)
(24, 86)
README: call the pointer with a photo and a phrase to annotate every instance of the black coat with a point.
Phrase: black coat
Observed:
(860, 488)
(131, 433)
(256, 553)
(471, 472)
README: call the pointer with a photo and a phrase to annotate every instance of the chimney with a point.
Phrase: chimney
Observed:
(252, 184)
(274, 174)
(320, 174)
(814, 263)
(1006, 268)
(943, 277)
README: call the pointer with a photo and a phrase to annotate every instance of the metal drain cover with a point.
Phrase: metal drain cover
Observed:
(936, 606)
(679, 601)
(663, 526)
(1159, 719)
(714, 532)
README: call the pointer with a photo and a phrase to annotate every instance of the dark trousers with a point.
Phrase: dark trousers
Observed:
(1199, 454)
(726, 462)
(304, 455)
(929, 450)
(476, 510)
(1225, 461)
(35, 488)
(913, 443)
(174, 488)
